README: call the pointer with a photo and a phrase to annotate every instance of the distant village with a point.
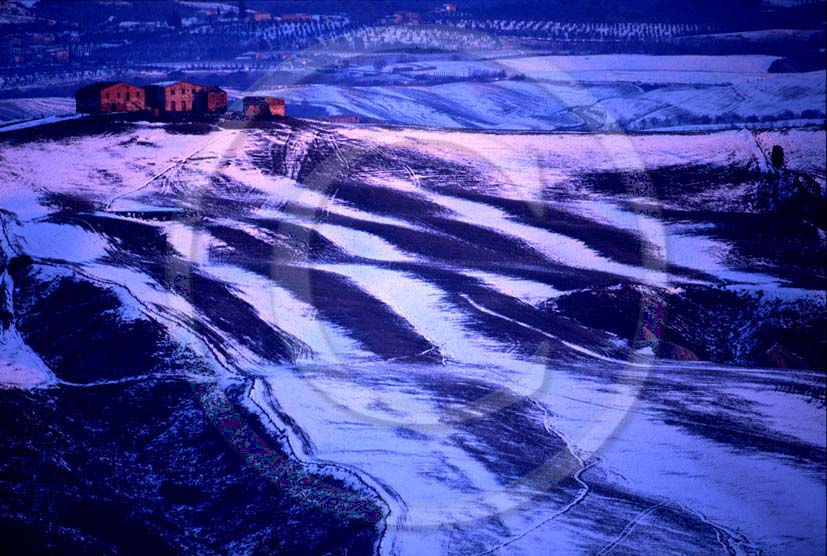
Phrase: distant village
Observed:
(171, 100)
(49, 35)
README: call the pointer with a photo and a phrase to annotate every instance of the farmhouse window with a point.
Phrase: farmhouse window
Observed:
(173, 106)
(128, 95)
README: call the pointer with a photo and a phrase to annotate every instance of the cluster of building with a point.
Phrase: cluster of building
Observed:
(413, 18)
(170, 98)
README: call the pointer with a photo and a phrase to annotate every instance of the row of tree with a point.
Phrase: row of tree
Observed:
(436, 37)
(729, 119)
(557, 30)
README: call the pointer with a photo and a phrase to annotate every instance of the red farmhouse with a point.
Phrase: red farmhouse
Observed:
(173, 97)
(110, 96)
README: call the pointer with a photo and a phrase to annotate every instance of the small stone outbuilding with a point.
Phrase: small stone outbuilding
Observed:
(263, 108)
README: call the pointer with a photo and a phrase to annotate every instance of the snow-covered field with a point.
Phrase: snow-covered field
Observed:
(638, 68)
(27, 108)
(578, 92)
(385, 301)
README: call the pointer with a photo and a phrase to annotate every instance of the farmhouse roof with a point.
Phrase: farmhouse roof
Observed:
(98, 87)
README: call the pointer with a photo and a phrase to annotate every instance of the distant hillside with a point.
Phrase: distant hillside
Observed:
(94, 12)
(738, 13)
(733, 13)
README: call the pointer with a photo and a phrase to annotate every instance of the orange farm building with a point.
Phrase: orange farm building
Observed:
(212, 100)
(182, 97)
(110, 96)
